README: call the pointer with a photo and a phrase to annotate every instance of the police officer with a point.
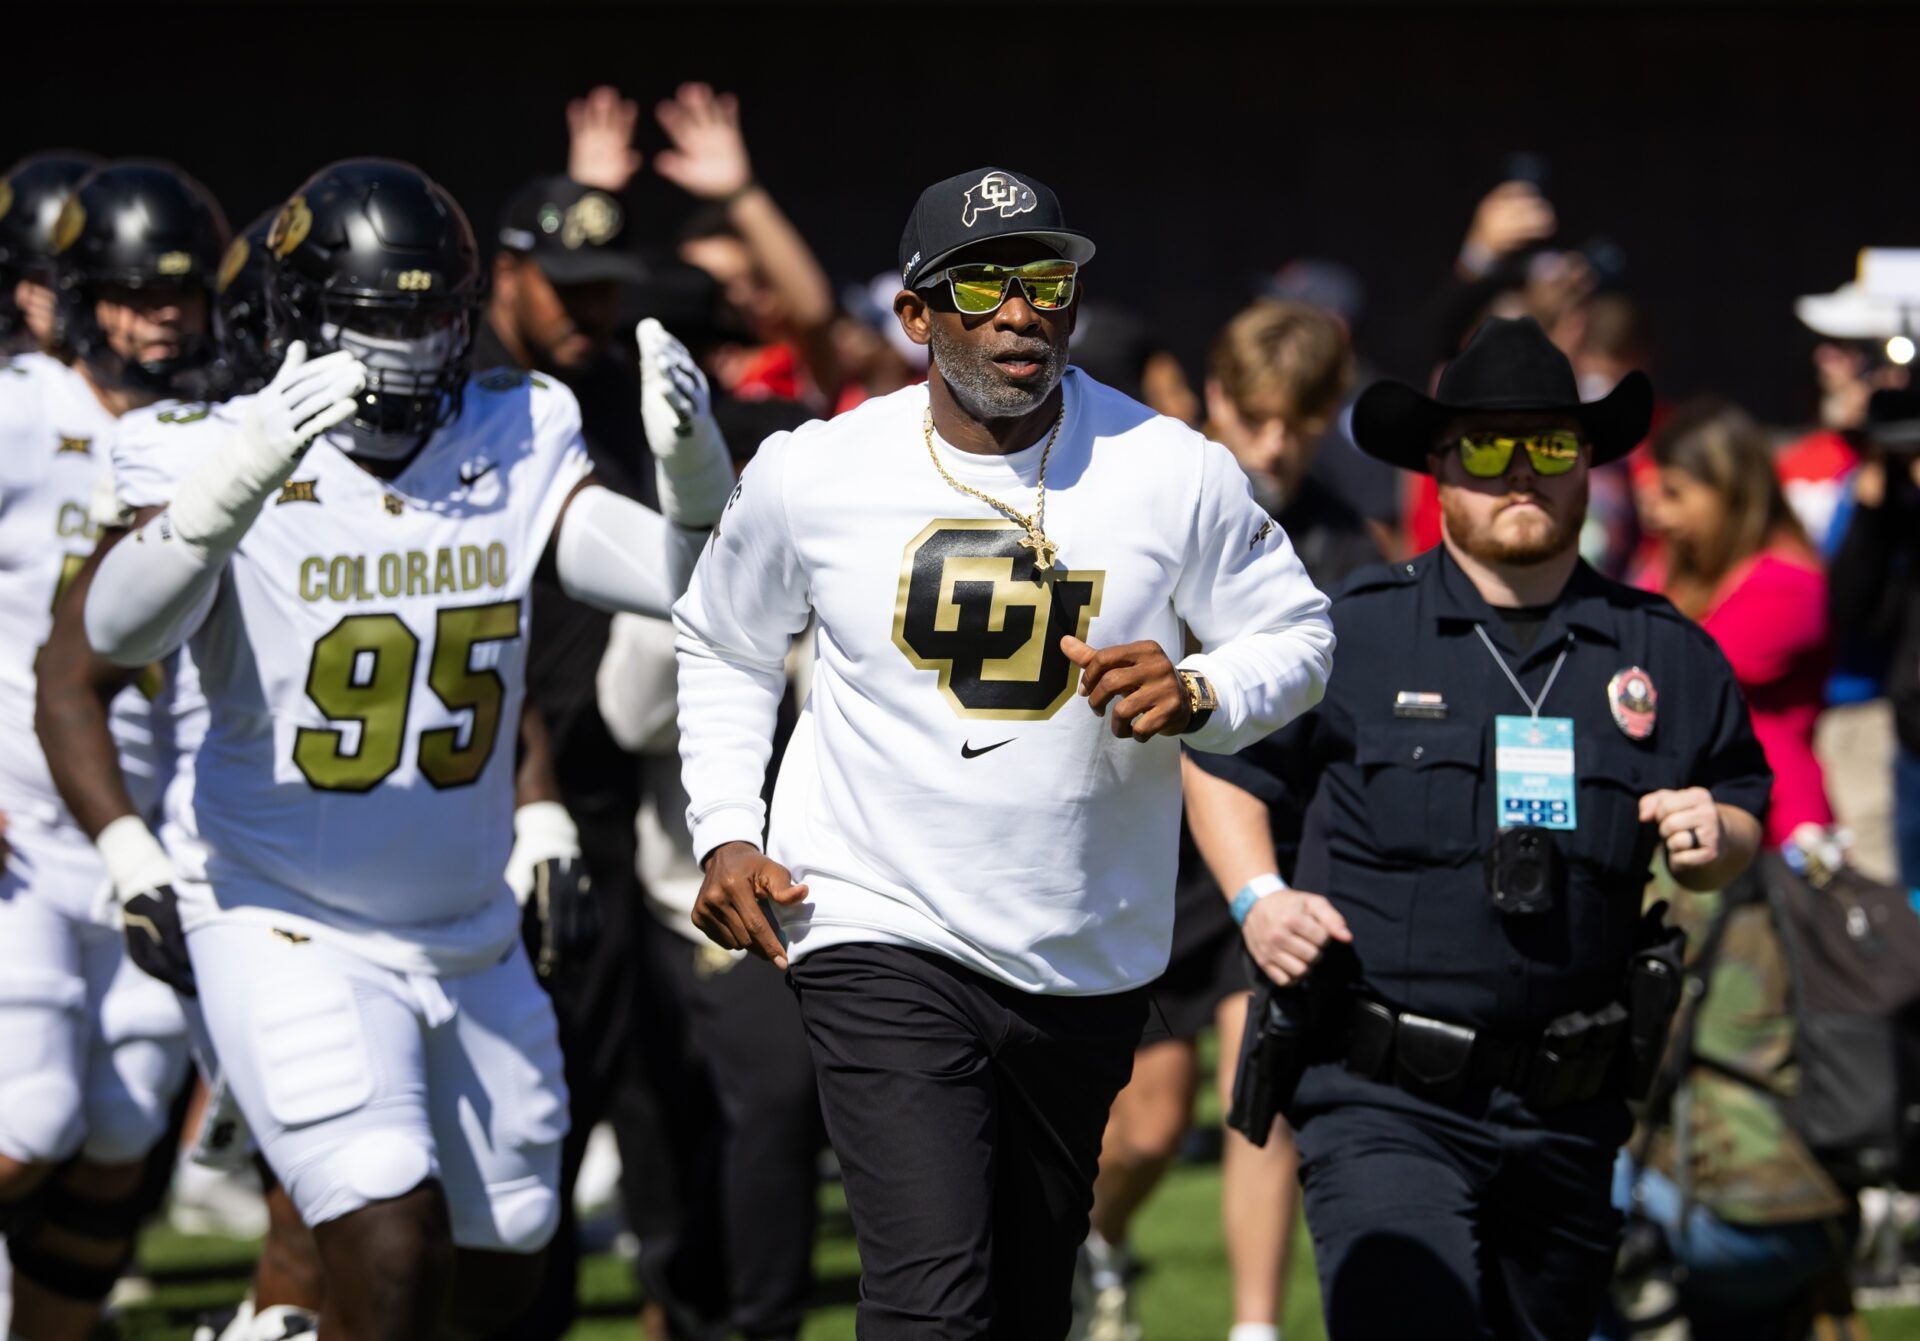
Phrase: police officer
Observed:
(1476, 804)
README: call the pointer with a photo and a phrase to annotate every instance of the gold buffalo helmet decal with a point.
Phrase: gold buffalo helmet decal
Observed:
(593, 218)
(290, 227)
(66, 229)
(174, 263)
(6, 196)
(231, 265)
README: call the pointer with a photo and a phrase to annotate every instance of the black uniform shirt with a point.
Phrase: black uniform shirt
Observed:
(1399, 809)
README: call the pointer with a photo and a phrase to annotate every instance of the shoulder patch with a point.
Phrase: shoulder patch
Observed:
(184, 414)
(297, 491)
(77, 446)
(501, 379)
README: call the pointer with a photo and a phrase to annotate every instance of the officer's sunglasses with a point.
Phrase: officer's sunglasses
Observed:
(978, 289)
(1486, 456)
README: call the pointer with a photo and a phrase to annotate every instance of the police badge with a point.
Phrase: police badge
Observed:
(1631, 696)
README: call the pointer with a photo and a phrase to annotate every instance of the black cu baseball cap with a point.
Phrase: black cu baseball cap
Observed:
(985, 203)
(572, 232)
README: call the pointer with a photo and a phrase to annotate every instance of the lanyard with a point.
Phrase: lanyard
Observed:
(1533, 704)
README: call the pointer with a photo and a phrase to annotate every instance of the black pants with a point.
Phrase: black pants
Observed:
(967, 1117)
(748, 1144)
(1455, 1225)
(595, 1004)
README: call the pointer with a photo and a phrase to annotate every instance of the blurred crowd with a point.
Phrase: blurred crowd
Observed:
(1794, 546)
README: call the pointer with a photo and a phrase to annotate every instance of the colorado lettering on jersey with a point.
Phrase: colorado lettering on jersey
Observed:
(414, 572)
(73, 519)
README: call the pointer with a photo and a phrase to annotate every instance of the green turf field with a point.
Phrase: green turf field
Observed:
(1183, 1295)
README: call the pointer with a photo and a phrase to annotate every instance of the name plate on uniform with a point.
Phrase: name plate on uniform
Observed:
(1533, 769)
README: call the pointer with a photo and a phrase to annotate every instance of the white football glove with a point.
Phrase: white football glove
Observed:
(143, 879)
(560, 915)
(691, 464)
(542, 831)
(302, 401)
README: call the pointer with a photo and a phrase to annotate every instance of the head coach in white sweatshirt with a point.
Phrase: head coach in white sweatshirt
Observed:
(970, 872)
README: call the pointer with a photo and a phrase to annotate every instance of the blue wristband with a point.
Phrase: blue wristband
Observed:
(1252, 892)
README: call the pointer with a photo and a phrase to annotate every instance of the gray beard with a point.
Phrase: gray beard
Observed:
(981, 391)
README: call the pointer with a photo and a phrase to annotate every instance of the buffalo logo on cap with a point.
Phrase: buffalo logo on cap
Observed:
(593, 219)
(997, 191)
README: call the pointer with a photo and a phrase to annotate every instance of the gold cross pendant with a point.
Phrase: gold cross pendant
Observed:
(1043, 551)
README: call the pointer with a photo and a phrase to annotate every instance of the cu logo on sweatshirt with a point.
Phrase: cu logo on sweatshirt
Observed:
(971, 609)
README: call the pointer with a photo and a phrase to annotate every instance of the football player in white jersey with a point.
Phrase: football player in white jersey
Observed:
(350, 554)
(75, 691)
(76, 687)
(31, 195)
(92, 1051)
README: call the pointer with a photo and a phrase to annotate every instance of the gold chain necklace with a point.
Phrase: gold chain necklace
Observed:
(1035, 525)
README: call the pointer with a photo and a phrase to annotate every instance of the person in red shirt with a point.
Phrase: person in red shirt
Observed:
(1738, 561)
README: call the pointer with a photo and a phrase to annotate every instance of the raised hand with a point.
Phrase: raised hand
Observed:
(600, 150)
(1511, 216)
(304, 400)
(709, 155)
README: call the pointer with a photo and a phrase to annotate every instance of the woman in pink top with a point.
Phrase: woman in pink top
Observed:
(1739, 563)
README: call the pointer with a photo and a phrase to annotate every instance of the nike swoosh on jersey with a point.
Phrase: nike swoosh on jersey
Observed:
(968, 752)
(470, 476)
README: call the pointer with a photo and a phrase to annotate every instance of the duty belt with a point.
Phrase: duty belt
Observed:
(1571, 1060)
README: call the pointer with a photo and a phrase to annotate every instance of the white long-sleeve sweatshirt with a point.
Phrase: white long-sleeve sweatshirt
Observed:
(946, 787)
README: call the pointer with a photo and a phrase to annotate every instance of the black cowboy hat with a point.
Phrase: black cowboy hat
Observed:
(1508, 366)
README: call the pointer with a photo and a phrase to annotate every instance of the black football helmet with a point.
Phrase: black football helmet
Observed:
(135, 224)
(31, 195)
(372, 255)
(249, 354)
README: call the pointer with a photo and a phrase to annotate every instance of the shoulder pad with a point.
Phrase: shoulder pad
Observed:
(185, 414)
(503, 379)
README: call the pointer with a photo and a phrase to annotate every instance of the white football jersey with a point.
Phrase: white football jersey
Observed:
(150, 448)
(363, 667)
(54, 448)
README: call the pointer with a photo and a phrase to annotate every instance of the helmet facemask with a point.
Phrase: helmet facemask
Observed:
(78, 328)
(416, 356)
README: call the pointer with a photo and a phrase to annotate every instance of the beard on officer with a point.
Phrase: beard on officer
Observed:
(1464, 992)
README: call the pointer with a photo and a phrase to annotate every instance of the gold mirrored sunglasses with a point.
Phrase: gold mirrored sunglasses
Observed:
(980, 288)
(1487, 456)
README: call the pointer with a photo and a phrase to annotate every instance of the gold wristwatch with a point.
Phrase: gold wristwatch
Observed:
(1200, 699)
